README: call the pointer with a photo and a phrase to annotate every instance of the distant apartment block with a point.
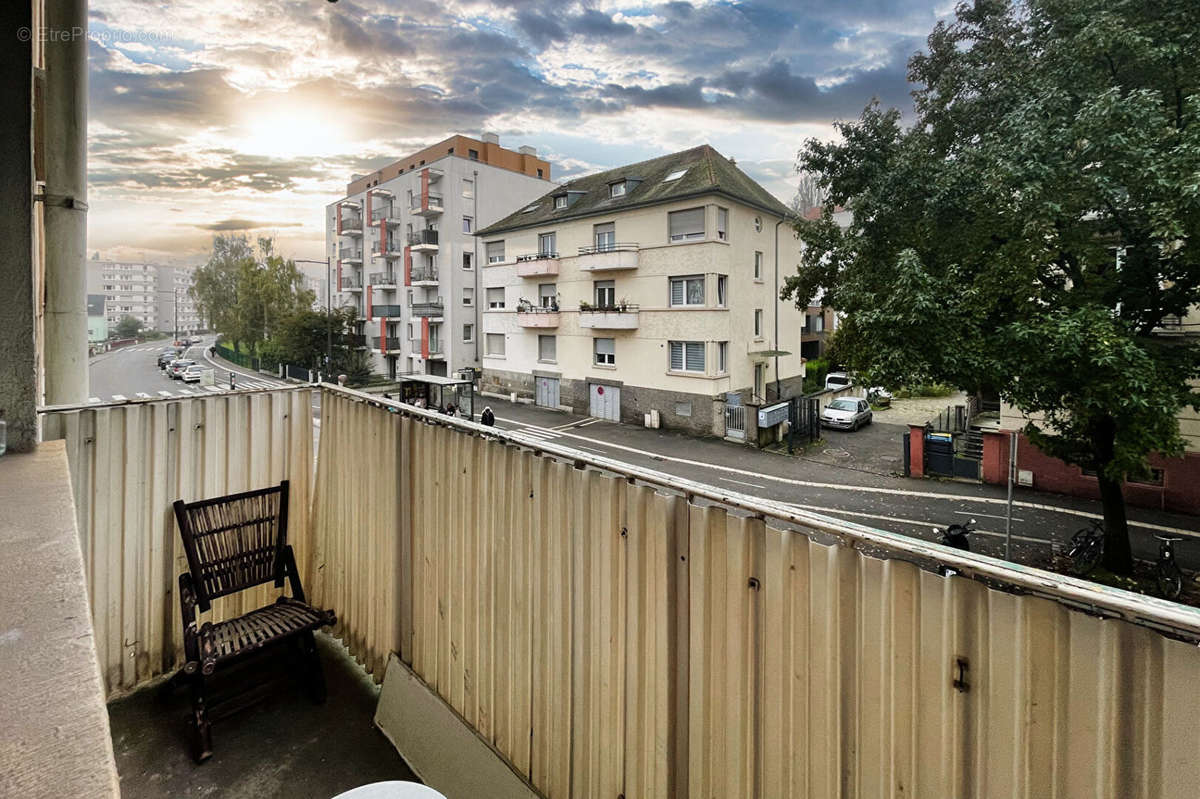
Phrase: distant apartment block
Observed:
(406, 257)
(154, 294)
(650, 287)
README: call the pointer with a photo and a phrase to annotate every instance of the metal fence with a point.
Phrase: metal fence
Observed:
(611, 630)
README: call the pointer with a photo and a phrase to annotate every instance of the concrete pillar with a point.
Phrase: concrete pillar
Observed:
(65, 203)
(18, 342)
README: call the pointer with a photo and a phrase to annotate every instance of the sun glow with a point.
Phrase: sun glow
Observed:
(290, 132)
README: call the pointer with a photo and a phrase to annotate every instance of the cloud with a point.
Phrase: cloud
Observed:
(243, 224)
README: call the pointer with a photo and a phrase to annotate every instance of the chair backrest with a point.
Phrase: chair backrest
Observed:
(234, 542)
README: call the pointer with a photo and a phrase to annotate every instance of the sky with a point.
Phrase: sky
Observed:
(208, 116)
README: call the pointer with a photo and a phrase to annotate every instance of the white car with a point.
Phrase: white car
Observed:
(846, 413)
(193, 373)
(836, 380)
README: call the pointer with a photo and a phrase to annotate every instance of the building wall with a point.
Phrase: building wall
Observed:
(489, 152)
(496, 193)
(642, 354)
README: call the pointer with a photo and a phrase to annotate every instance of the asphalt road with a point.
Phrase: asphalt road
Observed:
(857, 482)
(133, 373)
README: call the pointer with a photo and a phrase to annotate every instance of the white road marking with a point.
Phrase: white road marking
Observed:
(741, 482)
(164, 393)
(94, 399)
(214, 388)
(119, 397)
(143, 395)
(185, 392)
(589, 449)
(914, 522)
(874, 490)
(986, 515)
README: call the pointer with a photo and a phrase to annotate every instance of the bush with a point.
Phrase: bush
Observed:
(815, 371)
(924, 390)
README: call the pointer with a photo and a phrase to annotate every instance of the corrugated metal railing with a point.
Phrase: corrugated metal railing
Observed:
(611, 630)
(129, 462)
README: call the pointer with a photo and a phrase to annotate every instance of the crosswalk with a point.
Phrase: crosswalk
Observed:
(550, 433)
(243, 383)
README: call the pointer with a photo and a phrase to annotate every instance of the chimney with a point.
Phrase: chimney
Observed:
(489, 138)
(525, 149)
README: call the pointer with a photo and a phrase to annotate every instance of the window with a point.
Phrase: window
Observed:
(540, 173)
(468, 260)
(686, 225)
(683, 409)
(495, 252)
(410, 331)
(757, 265)
(529, 209)
(410, 298)
(818, 323)
(758, 224)
(676, 175)
(722, 357)
(495, 297)
(473, 155)
(722, 291)
(605, 293)
(547, 348)
(468, 333)
(468, 188)
(494, 345)
(758, 322)
(605, 350)
(468, 223)
(560, 201)
(548, 245)
(687, 290)
(468, 297)
(687, 356)
(605, 236)
(616, 189)
(760, 374)
(548, 295)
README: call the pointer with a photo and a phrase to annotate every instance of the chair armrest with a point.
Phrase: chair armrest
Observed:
(187, 611)
(293, 573)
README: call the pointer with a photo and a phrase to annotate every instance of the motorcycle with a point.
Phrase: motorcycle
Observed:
(956, 535)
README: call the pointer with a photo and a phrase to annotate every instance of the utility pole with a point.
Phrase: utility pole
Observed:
(1012, 466)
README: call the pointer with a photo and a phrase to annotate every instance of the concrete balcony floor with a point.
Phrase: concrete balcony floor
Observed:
(285, 746)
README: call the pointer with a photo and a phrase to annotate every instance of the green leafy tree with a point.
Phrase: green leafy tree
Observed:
(305, 337)
(1031, 228)
(128, 327)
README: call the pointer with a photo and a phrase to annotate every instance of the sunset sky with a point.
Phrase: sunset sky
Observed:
(214, 115)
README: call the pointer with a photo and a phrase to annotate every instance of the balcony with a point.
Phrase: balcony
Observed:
(352, 225)
(351, 283)
(386, 311)
(387, 212)
(543, 264)
(612, 317)
(608, 257)
(435, 350)
(350, 255)
(423, 240)
(514, 624)
(390, 344)
(428, 309)
(356, 340)
(383, 280)
(529, 315)
(423, 276)
(429, 207)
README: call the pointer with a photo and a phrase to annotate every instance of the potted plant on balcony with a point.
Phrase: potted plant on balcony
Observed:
(584, 305)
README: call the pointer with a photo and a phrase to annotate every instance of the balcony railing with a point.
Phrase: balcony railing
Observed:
(351, 283)
(423, 274)
(620, 255)
(432, 206)
(351, 339)
(352, 223)
(379, 279)
(551, 589)
(391, 343)
(350, 254)
(423, 238)
(537, 264)
(427, 309)
(435, 346)
(530, 315)
(386, 311)
(386, 212)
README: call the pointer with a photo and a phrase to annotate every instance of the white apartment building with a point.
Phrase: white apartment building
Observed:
(154, 294)
(652, 286)
(177, 310)
(405, 252)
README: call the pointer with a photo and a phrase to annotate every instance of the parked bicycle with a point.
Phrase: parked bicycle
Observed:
(1170, 577)
(1087, 547)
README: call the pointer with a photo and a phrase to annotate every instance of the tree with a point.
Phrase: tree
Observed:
(306, 336)
(1032, 227)
(128, 327)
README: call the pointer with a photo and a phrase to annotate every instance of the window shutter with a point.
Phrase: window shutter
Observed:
(687, 224)
(677, 292)
(677, 355)
(695, 356)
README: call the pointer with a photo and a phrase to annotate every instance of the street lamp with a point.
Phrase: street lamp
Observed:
(328, 307)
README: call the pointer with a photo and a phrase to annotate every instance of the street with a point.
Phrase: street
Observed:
(133, 373)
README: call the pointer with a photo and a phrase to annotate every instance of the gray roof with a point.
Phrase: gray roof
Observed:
(708, 172)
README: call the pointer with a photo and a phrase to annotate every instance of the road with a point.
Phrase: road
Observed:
(133, 373)
(864, 491)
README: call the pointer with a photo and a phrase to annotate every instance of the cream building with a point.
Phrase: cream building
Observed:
(653, 286)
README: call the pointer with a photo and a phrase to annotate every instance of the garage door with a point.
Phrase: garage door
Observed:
(546, 391)
(606, 402)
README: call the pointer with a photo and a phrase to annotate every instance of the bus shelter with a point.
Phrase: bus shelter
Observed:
(438, 393)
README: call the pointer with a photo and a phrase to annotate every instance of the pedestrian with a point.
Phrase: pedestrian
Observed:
(451, 410)
(487, 417)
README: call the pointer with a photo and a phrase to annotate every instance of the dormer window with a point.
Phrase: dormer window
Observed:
(560, 201)
(616, 189)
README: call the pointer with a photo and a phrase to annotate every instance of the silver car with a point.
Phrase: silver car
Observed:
(846, 413)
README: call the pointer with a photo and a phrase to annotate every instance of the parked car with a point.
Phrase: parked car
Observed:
(846, 413)
(879, 396)
(166, 356)
(193, 373)
(836, 380)
(178, 367)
